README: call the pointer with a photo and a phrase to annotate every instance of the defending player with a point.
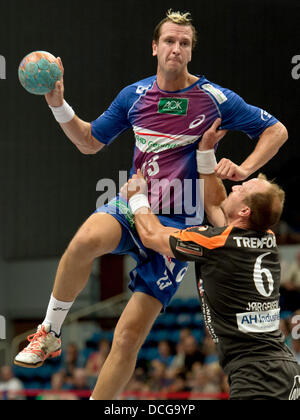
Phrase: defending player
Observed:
(238, 278)
(169, 113)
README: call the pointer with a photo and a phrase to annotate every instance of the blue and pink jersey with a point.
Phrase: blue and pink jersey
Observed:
(168, 127)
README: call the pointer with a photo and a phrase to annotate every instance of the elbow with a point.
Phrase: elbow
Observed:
(91, 147)
(88, 151)
(147, 241)
(283, 134)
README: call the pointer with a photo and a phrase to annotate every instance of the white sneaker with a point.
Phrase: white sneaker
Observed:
(42, 345)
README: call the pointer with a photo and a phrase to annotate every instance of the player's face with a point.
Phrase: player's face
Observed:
(235, 203)
(174, 47)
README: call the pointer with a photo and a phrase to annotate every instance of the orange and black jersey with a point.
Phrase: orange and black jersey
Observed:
(238, 277)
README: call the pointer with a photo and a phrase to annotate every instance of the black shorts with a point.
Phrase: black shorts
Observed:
(266, 380)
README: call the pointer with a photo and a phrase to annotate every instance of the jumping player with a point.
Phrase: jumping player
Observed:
(238, 278)
(168, 113)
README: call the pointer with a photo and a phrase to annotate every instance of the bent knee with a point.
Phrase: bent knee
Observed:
(127, 342)
(86, 245)
(100, 235)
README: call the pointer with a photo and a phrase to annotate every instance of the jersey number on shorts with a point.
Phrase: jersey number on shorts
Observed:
(165, 281)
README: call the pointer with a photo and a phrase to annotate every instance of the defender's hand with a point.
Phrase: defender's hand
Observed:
(136, 185)
(56, 96)
(212, 136)
(226, 169)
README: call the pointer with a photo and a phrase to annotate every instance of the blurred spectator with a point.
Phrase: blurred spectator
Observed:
(296, 349)
(71, 360)
(209, 350)
(286, 234)
(207, 380)
(177, 364)
(136, 385)
(285, 327)
(10, 387)
(225, 384)
(290, 287)
(158, 380)
(80, 382)
(96, 361)
(179, 384)
(192, 352)
(58, 388)
(185, 332)
(165, 352)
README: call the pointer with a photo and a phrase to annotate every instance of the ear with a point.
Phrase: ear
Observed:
(245, 212)
(154, 48)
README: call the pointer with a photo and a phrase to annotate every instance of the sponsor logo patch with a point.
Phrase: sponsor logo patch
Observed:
(173, 106)
(189, 248)
(258, 322)
(216, 93)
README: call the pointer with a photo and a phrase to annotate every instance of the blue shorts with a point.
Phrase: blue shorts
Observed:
(155, 274)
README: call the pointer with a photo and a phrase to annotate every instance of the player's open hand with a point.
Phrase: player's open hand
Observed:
(56, 96)
(212, 136)
(135, 185)
(226, 169)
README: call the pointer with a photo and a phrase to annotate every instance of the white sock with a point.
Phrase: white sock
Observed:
(56, 314)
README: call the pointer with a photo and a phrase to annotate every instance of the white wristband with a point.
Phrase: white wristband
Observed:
(63, 114)
(138, 201)
(206, 161)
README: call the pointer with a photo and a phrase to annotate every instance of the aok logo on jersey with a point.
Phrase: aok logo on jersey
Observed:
(173, 106)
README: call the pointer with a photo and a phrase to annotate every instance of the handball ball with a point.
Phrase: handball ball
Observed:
(38, 72)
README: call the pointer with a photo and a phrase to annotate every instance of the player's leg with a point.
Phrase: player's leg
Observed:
(130, 334)
(99, 235)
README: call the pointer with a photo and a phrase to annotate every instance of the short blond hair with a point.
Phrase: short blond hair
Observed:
(266, 207)
(184, 19)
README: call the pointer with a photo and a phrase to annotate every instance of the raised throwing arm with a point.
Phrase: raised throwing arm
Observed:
(77, 130)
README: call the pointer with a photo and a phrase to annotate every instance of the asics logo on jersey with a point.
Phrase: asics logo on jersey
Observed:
(198, 121)
(174, 106)
(142, 89)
